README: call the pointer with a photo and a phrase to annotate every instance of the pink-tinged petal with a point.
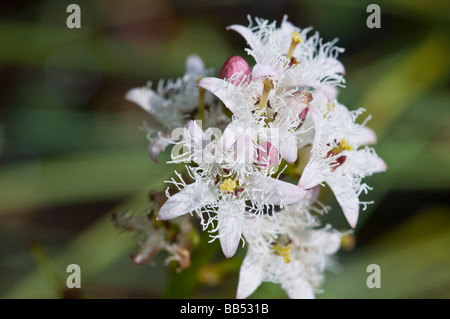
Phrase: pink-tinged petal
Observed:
(195, 65)
(313, 194)
(288, 147)
(235, 65)
(262, 71)
(298, 288)
(247, 34)
(347, 199)
(145, 98)
(222, 89)
(193, 196)
(267, 155)
(329, 91)
(156, 147)
(230, 231)
(251, 276)
(277, 192)
(312, 175)
(336, 66)
(318, 124)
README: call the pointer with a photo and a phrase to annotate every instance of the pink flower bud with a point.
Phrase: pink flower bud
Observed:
(235, 64)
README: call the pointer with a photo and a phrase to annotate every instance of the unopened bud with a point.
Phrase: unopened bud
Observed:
(235, 65)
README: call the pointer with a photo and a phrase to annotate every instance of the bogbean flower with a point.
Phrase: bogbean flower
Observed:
(174, 103)
(226, 190)
(340, 156)
(281, 105)
(292, 251)
(277, 93)
(154, 236)
(292, 56)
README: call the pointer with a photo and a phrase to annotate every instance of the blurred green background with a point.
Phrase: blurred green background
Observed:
(71, 152)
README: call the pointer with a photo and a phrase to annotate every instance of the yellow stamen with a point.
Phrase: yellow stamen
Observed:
(330, 107)
(228, 185)
(296, 39)
(284, 251)
(268, 85)
(344, 145)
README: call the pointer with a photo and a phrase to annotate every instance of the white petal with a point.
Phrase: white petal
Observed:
(230, 231)
(277, 192)
(156, 147)
(288, 148)
(222, 89)
(347, 198)
(260, 71)
(247, 34)
(312, 175)
(365, 161)
(195, 65)
(145, 98)
(298, 288)
(193, 196)
(367, 136)
(250, 276)
(228, 138)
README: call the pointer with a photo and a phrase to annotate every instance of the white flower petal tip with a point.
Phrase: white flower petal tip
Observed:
(299, 289)
(246, 33)
(141, 96)
(279, 192)
(192, 197)
(311, 177)
(368, 136)
(230, 236)
(195, 65)
(250, 277)
(289, 149)
(156, 147)
(262, 71)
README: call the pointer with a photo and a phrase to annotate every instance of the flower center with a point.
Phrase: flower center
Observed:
(283, 246)
(284, 251)
(344, 145)
(228, 185)
(295, 40)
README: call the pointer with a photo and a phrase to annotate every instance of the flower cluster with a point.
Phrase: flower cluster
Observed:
(240, 135)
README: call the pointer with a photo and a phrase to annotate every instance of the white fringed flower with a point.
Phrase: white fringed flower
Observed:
(293, 57)
(224, 193)
(290, 250)
(173, 102)
(263, 105)
(338, 155)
